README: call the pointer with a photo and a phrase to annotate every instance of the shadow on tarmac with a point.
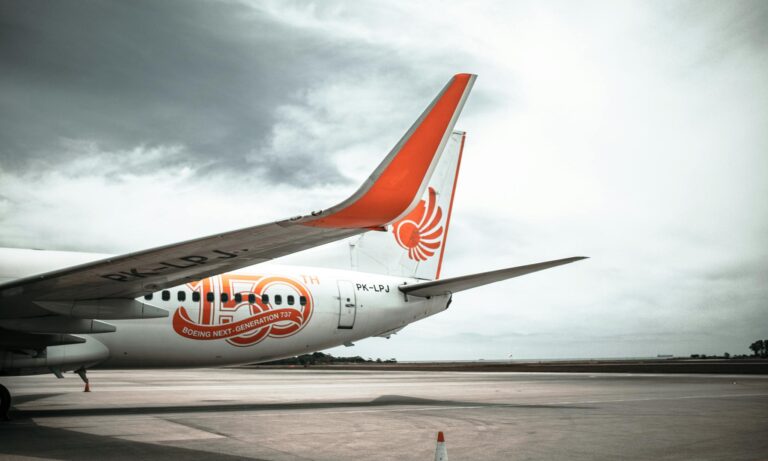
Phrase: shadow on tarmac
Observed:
(22, 437)
(32, 397)
(29, 439)
(383, 401)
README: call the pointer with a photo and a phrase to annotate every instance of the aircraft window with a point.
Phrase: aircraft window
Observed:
(251, 298)
(166, 295)
(303, 300)
(148, 297)
(195, 296)
(224, 297)
(181, 296)
(238, 298)
(265, 299)
(290, 300)
(278, 299)
(209, 297)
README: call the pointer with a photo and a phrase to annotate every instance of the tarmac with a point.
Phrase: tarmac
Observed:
(277, 414)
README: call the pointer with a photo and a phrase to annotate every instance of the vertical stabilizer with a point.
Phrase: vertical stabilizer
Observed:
(414, 245)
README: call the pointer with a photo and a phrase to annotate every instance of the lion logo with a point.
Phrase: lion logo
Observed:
(420, 232)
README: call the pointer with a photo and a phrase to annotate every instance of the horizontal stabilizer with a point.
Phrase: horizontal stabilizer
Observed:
(465, 282)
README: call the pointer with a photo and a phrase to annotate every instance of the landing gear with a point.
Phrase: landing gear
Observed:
(81, 373)
(5, 403)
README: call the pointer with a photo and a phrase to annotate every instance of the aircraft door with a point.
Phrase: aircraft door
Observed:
(347, 304)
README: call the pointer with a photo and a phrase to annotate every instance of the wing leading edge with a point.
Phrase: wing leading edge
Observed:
(390, 192)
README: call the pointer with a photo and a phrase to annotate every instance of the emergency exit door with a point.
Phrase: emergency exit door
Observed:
(347, 304)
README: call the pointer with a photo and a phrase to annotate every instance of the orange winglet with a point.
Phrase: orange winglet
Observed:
(395, 189)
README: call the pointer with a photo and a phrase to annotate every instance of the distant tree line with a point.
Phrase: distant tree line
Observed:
(726, 355)
(759, 348)
(319, 358)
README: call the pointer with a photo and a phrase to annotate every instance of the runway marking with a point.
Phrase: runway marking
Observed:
(245, 387)
(645, 399)
(44, 420)
(513, 405)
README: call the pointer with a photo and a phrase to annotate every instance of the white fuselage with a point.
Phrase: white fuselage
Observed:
(379, 307)
(256, 314)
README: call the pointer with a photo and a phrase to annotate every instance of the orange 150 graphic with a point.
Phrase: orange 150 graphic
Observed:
(244, 309)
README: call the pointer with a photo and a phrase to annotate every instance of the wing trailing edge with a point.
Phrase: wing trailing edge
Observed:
(465, 282)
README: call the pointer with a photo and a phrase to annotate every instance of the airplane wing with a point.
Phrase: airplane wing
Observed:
(389, 193)
(465, 282)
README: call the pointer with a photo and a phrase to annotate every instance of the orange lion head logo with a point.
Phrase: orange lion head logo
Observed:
(420, 232)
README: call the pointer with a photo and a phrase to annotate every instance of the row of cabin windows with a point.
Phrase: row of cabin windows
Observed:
(165, 295)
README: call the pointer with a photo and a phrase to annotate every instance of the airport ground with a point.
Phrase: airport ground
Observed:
(741, 366)
(279, 414)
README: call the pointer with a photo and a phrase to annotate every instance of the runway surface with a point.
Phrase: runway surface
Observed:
(370, 415)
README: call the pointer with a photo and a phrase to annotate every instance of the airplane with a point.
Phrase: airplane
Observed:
(212, 301)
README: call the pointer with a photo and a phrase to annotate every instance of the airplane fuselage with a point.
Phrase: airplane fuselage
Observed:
(339, 307)
(256, 314)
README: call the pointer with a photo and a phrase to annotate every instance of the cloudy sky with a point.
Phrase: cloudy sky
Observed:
(631, 132)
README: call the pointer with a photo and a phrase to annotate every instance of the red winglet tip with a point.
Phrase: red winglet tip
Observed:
(394, 188)
(440, 437)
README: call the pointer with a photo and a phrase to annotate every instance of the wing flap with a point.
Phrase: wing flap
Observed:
(21, 340)
(105, 309)
(57, 324)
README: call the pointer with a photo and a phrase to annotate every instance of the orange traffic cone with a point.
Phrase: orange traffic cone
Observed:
(441, 452)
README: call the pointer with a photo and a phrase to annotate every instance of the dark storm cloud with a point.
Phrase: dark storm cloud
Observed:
(204, 76)
(726, 27)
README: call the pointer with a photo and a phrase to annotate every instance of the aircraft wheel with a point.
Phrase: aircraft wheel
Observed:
(5, 403)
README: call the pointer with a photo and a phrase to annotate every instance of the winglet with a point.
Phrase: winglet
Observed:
(399, 181)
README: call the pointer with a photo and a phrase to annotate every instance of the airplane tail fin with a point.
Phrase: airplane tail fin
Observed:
(413, 246)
